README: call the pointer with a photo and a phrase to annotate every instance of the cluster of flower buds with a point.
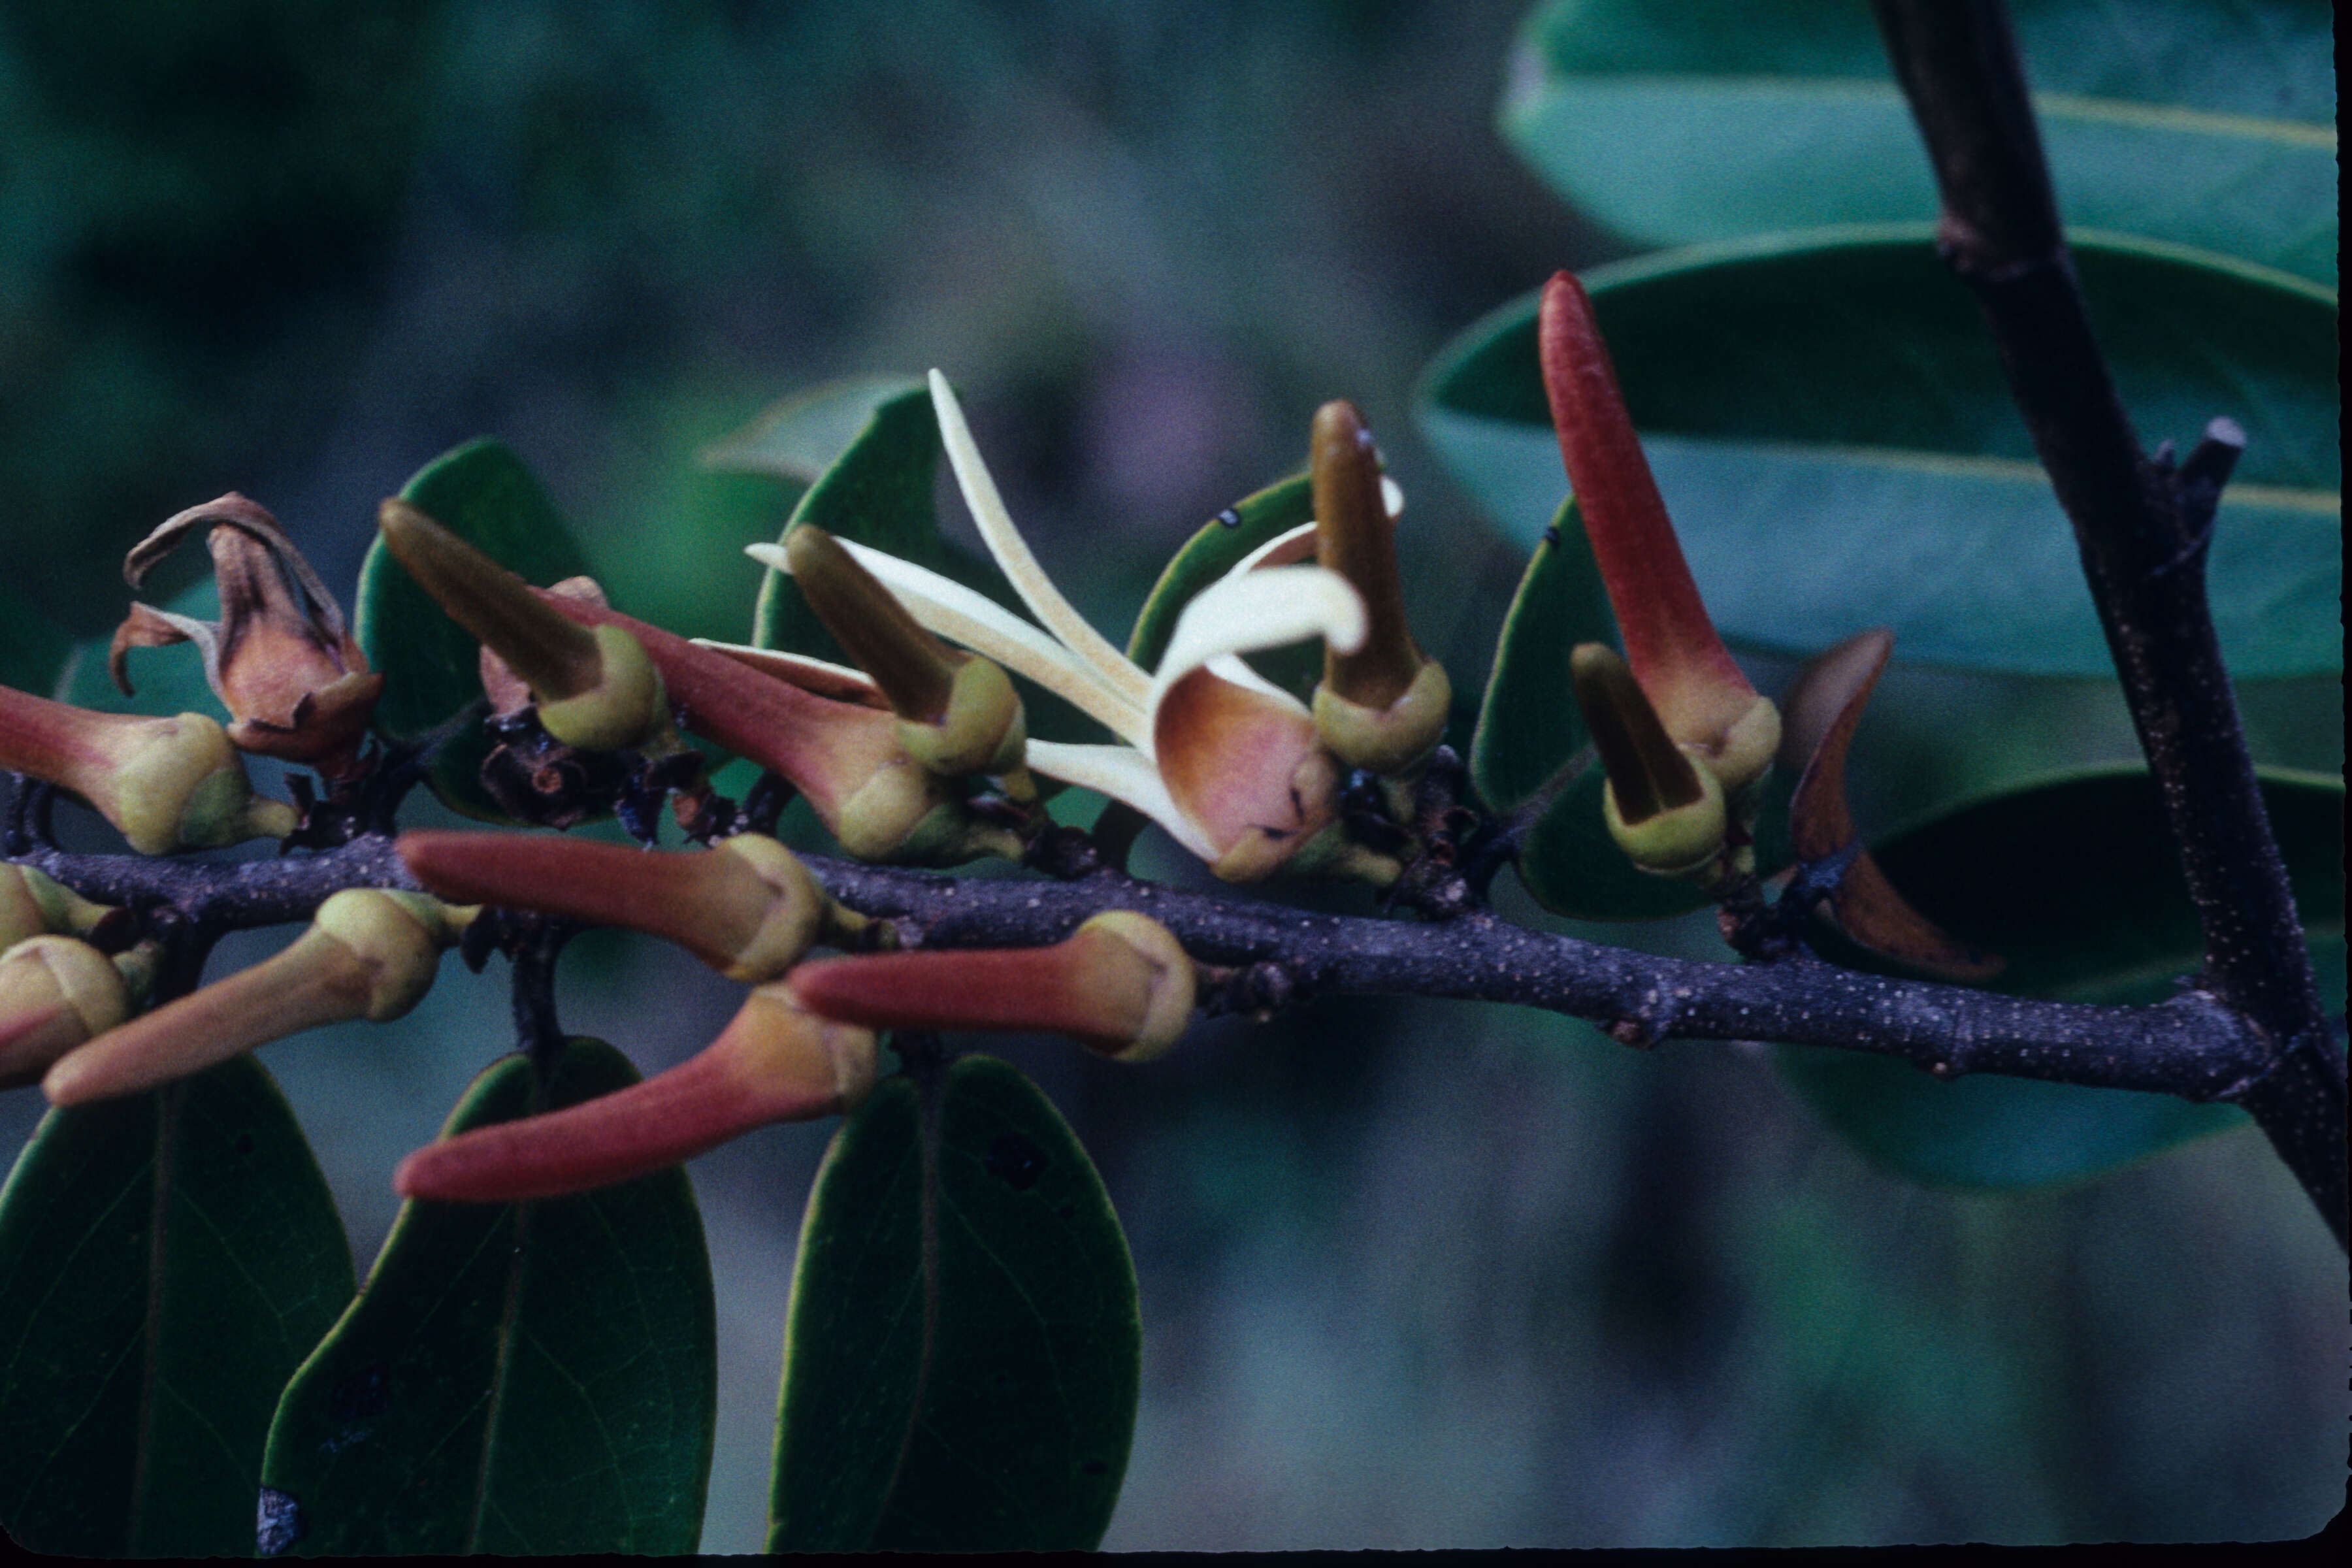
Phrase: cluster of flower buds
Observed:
(606, 682)
(1240, 773)
(1684, 737)
(805, 1044)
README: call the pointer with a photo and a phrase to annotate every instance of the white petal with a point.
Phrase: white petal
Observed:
(956, 612)
(1260, 610)
(841, 682)
(1125, 774)
(1012, 552)
(1229, 667)
(1392, 497)
(1287, 547)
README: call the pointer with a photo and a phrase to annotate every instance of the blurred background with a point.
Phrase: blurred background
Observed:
(1411, 1276)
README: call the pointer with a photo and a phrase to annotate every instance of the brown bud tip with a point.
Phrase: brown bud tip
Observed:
(914, 670)
(1355, 536)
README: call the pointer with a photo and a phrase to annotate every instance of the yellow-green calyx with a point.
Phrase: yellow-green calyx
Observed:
(796, 912)
(32, 904)
(1383, 705)
(370, 952)
(596, 688)
(958, 713)
(1135, 953)
(56, 993)
(905, 814)
(1664, 805)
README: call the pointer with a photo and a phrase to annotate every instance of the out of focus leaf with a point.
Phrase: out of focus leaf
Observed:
(522, 1379)
(806, 433)
(962, 1359)
(33, 651)
(166, 1261)
(1529, 724)
(1834, 438)
(483, 493)
(2206, 122)
(2074, 881)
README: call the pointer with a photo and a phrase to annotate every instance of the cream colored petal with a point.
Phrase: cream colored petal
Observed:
(1229, 667)
(1012, 552)
(1288, 548)
(1125, 774)
(956, 612)
(841, 682)
(1392, 497)
(1259, 610)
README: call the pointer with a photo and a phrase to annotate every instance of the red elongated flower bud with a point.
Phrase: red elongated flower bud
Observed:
(1383, 705)
(1120, 985)
(596, 689)
(166, 785)
(845, 756)
(1670, 642)
(747, 907)
(775, 1062)
(369, 953)
(280, 659)
(1825, 709)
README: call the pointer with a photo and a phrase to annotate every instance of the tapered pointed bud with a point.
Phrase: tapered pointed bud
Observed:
(32, 904)
(1665, 809)
(1824, 708)
(747, 907)
(845, 756)
(56, 993)
(369, 953)
(1700, 694)
(166, 785)
(280, 659)
(597, 688)
(1383, 705)
(1120, 985)
(957, 712)
(776, 1062)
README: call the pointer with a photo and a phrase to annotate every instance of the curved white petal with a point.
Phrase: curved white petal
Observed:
(1125, 774)
(1012, 552)
(1229, 667)
(1262, 609)
(840, 682)
(1392, 498)
(956, 612)
(1287, 547)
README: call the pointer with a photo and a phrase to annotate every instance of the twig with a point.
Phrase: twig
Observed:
(2192, 1045)
(2142, 529)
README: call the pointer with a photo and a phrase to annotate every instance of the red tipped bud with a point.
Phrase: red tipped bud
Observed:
(776, 1062)
(166, 785)
(1120, 985)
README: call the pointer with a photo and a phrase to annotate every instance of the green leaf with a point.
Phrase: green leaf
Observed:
(2199, 122)
(1529, 724)
(1832, 432)
(166, 1260)
(2074, 881)
(33, 650)
(483, 493)
(806, 433)
(876, 492)
(1214, 550)
(527, 1379)
(962, 1359)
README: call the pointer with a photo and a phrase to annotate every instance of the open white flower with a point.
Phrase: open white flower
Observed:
(1227, 762)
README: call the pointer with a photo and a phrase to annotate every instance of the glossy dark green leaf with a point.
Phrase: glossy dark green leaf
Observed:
(166, 1261)
(961, 1359)
(1529, 724)
(1214, 550)
(1832, 435)
(432, 667)
(527, 1379)
(33, 650)
(2205, 122)
(2074, 881)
